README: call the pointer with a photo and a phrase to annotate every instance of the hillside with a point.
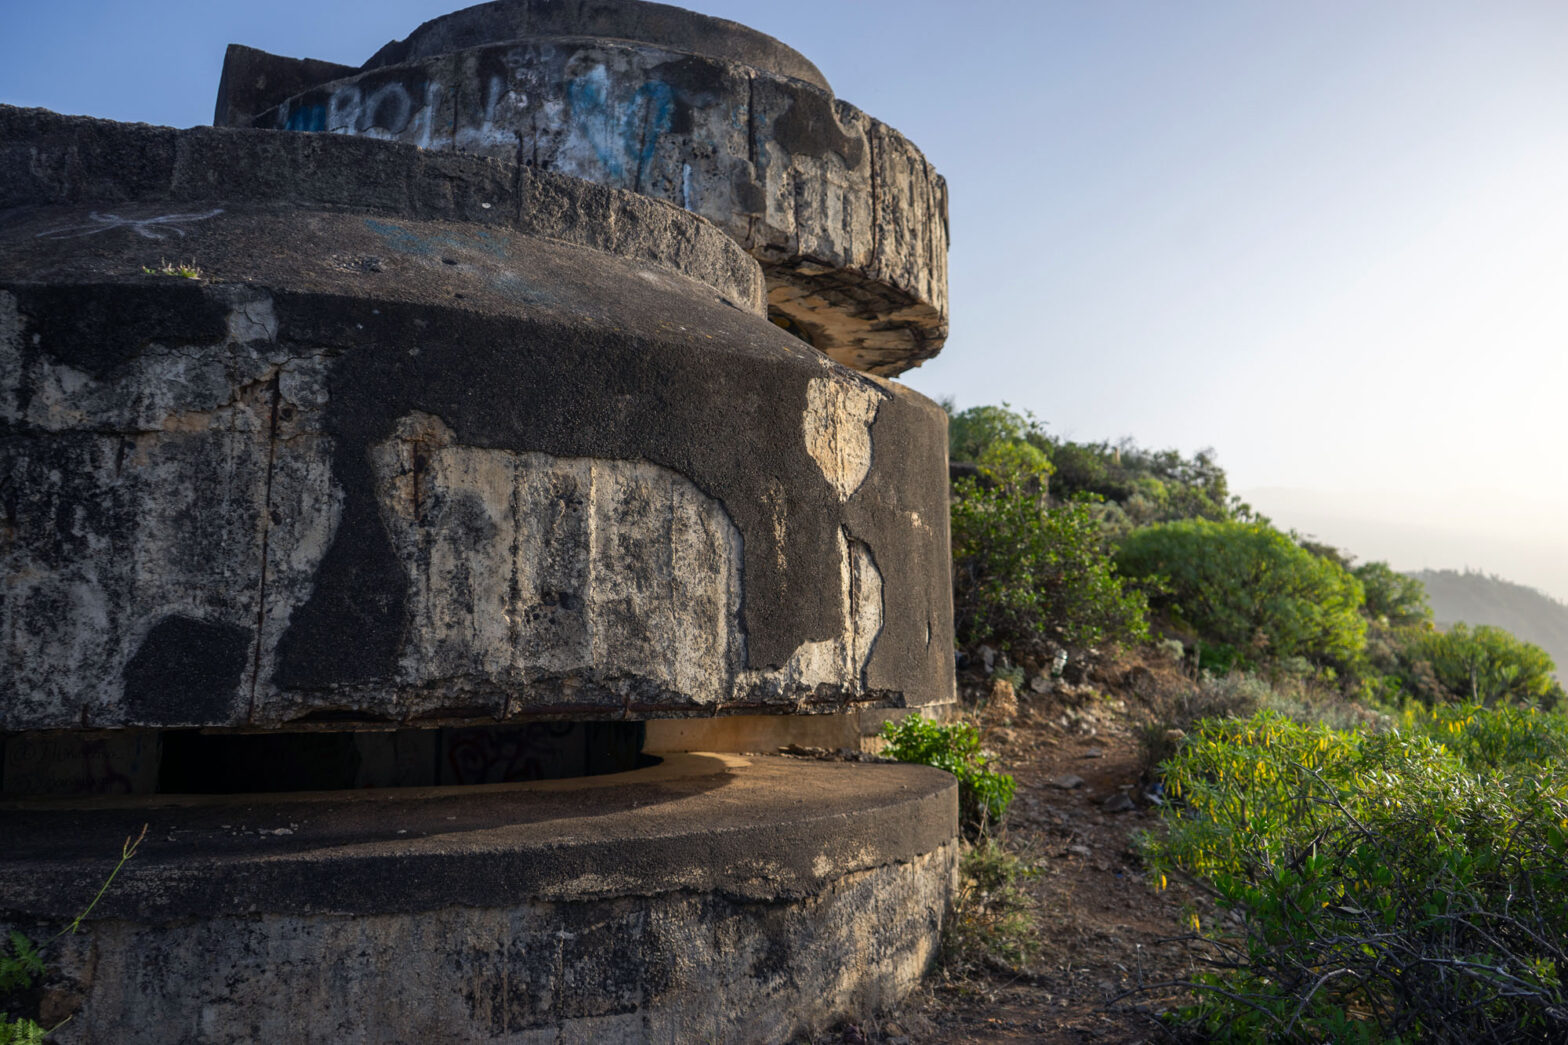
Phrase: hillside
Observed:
(1234, 758)
(1477, 598)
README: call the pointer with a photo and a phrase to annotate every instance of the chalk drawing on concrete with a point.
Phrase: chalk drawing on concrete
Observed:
(150, 228)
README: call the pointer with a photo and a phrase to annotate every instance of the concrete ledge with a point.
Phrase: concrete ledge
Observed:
(708, 898)
(47, 159)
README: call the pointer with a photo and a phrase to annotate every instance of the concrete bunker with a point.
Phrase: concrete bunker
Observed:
(846, 217)
(395, 570)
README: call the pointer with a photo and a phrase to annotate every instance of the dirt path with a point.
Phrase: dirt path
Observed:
(1104, 930)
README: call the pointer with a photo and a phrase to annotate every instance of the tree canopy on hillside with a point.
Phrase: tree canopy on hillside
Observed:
(1249, 587)
(1136, 485)
(1484, 665)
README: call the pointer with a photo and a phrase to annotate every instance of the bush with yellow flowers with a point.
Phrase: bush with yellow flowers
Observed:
(1408, 885)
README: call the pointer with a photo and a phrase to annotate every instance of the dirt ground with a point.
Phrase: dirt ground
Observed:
(1104, 930)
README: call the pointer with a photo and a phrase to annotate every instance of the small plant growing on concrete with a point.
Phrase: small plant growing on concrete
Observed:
(983, 794)
(181, 269)
(22, 963)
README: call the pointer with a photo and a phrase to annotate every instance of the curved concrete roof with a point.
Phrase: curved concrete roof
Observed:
(658, 25)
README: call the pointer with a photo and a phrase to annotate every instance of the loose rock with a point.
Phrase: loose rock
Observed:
(1004, 700)
(1118, 803)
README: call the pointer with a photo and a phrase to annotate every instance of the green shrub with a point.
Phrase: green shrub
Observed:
(1392, 597)
(983, 794)
(1484, 666)
(1027, 575)
(970, 433)
(1408, 885)
(1147, 486)
(1493, 740)
(1249, 590)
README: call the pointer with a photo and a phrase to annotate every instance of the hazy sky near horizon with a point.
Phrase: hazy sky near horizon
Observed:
(1328, 238)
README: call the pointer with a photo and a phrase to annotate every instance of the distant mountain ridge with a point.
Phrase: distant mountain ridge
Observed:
(1477, 598)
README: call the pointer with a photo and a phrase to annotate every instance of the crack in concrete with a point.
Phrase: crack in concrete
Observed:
(266, 533)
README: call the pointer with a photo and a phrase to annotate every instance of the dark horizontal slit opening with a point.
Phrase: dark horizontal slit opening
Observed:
(189, 761)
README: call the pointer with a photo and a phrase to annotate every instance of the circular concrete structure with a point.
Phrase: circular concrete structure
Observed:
(336, 471)
(845, 215)
(710, 898)
(432, 439)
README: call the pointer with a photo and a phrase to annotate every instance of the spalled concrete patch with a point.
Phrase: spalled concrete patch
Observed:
(837, 423)
(527, 564)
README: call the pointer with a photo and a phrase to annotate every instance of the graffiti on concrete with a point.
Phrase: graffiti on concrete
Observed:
(387, 111)
(624, 138)
(589, 121)
(157, 227)
(536, 751)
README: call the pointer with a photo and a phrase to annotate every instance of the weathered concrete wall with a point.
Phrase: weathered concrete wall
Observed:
(397, 469)
(845, 214)
(709, 898)
(623, 563)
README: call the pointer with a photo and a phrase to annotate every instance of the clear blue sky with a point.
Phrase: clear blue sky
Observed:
(1327, 238)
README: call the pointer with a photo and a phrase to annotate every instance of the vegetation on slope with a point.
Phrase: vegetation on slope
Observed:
(1480, 598)
(1390, 831)
(1249, 590)
(1406, 885)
